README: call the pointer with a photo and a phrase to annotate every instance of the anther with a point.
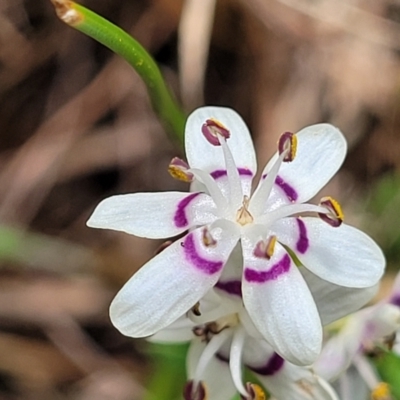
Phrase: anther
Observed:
(335, 216)
(265, 248)
(208, 240)
(195, 391)
(178, 169)
(196, 309)
(288, 144)
(381, 392)
(212, 129)
(254, 392)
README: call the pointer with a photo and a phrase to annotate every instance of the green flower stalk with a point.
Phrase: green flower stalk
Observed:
(121, 43)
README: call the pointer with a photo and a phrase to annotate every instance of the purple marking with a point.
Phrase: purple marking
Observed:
(290, 192)
(221, 357)
(218, 173)
(206, 266)
(272, 274)
(230, 287)
(302, 242)
(395, 300)
(273, 365)
(180, 217)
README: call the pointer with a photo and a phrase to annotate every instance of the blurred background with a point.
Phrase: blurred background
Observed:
(76, 126)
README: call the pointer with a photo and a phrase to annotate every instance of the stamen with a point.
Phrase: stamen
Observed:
(213, 190)
(287, 145)
(235, 360)
(254, 392)
(209, 352)
(335, 216)
(235, 184)
(263, 191)
(208, 240)
(265, 248)
(212, 128)
(243, 216)
(179, 169)
(193, 391)
(381, 392)
(290, 211)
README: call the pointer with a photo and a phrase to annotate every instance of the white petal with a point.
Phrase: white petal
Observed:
(297, 383)
(153, 215)
(178, 331)
(351, 386)
(321, 150)
(282, 379)
(201, 154)
(280, 305)
(171, 283)
(333, 301)
(344, 255)
(217, 376)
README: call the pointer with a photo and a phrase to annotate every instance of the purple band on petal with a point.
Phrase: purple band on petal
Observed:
(302, 242)
(395, 300)
(290, 192)
(206, 266)
(230, 287)
(272, 274)
(218, 173)
(273, 365)
(180, 217)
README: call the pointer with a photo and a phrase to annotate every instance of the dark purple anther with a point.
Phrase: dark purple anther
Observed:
(212, 129)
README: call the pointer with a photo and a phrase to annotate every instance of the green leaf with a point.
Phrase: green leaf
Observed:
(169, 376)
(388, 366)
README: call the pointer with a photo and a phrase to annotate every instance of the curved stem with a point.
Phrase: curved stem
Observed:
(127, 47)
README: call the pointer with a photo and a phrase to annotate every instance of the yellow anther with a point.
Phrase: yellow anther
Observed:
(255, 392)
(218, 124)
(335, 214)
(288, 144)
(178, 174)
(269, 251)
(381, 392)
(179, 169)
(265, 248)
(208, 240)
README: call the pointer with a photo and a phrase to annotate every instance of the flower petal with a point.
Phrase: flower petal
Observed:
(300, 383)
(281, 378)
(321, 150)
(280, 305)
(153, 215)
(171, 283)
(179, 331)
(217, 376)
(202, 155)
(333, 301)
(341, 255)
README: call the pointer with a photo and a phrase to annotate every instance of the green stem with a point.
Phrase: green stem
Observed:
(121, 43)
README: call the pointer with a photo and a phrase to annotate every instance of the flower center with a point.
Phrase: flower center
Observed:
(243, 216)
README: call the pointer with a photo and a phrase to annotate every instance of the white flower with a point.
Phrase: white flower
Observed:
(223, 342)
(222, 214)
(343, 357)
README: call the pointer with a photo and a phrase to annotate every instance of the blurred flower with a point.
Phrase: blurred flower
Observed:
(346, 351)
(224, 341)
(265, 227)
